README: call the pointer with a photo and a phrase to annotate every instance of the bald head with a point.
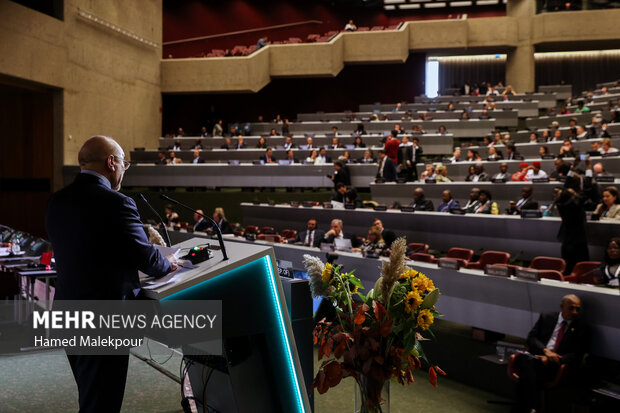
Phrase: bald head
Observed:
(570, 306)
(105, 156)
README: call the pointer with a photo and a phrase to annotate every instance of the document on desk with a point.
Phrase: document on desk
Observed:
(165, 251)
(152, 284)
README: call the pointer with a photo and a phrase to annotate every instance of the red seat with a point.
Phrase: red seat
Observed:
(363, 29)
(418, 247)
(294, 40)
(313, 37)
(489, 257)
(288, 234)
(548, 263)
(422, 257)
(269, 237)
(463, 255)
(375, 28)
(393, 27)
(583, 273)
(267, 230)
(551, 274)
(250, 229)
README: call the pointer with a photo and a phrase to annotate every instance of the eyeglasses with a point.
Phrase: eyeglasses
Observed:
(126, 164)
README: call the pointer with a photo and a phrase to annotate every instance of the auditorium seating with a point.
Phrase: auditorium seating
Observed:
(583, 272)
(489, 258)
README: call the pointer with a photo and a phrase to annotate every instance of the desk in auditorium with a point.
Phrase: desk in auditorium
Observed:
(459, 171)
(505, 305)
(236, 176)
(523, 238)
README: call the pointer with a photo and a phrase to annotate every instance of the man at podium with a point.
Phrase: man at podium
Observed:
(99, 245)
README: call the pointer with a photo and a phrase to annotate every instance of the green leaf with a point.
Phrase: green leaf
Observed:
(355, 281)
(430, 299)
(420, 350)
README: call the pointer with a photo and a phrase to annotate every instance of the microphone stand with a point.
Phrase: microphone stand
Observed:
(161, 221)
(217, 227)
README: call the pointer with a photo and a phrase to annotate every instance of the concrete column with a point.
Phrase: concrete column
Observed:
(520, 67)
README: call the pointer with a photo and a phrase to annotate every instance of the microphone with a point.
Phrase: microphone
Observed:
(161, 221)
(217, 227)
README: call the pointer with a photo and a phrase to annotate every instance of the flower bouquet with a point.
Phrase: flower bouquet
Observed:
(374, 337)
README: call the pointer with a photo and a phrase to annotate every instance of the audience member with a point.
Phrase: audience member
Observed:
(503, 174)
(218, 129)
(197, 144)
(337, 231)
(176, 146)
(220, 220)
(581, 107)
(203, 132)
(262, 143)
(311, 236)
(171, 217)
(561, 170)
(312, 157)
(309, 143)
(606, 147)
(200, 224)
(534, 172)
(350, 26)
(173, 159)
(456, 156)
(479, 174)
(197, 158)
(322, 158)
(511, 152)
(288, 143)
(161, 159)
(442, 174)
(290, 157)
(566, 150)
(367, 158)
(240, 143)
(551, 209)
(274, 132)
(374, 245)
(180, 132)
(526, 202)
(609, 208)
(345, 157)
(494, 154)
(533, 137)
(487, 206)
(420, 203)
(387, 169)
(447, 202)
(609, 272)
(335, 144)
(262, 42)
(474, 202)
(340, 193)
(358, 142)
(227, 144)
(388, 236)
(471, 171)
(555, 339)
(341, 174)
(268, 158)
(543, 151)
(521, 174)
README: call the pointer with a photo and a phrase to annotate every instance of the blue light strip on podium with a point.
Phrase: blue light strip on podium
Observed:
(267, 275)
(285, 338)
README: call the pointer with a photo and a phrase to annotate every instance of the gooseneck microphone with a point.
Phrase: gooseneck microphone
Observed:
(161, 221)
(217, 227)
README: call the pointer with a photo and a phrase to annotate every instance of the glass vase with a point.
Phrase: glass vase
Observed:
(364, 401)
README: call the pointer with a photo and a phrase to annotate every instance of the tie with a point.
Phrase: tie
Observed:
(560, 336)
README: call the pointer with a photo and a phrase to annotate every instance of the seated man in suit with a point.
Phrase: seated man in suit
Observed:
(197, 158)
(161, 159)
(555, 339)
(526, 202)
(201, 224)
(322, 158)
(336, 231)
(268, 157)
(288, 143)
(420, 203)
(503, 173)
(387, 168)
(240, 143)
(311, 236)
(340, 193)
(290, 157)
(388, 236)
(447, 202)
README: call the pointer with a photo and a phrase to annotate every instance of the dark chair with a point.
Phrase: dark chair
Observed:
(422, 257)
(548, 263)
(288, 234)
(417, 247)
(267, 230)
(463, 255)
(489, 257)
(250, 229)
(269, 237)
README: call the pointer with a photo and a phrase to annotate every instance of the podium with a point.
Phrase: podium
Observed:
(260, 370)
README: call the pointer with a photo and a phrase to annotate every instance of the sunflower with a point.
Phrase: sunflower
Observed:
(422, 284)
(328, 271)
(412, 301)
(407, 275)
(425, 319)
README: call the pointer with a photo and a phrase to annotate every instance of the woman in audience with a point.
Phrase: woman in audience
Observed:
(521, 174)
(470, 173)
(473, 156)
(494, 154)
(173, 159)
(312, 157)
(487, 206)
(543, 151)
(486, 141)
(374, 244)
(564, 110)
(368, 158)
(464, 115)
(610, 269)
(606, 147)
(345, 157)
(533, 137)
(273, 132)
(359, 130)
(262, 143)
(551, 210)
(509, 91)
(497, 139)
(609, 208)
(442, 129)
(546, 135)
(358, 142)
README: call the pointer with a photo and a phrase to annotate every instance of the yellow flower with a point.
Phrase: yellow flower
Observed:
(422, 284)
(412, 301)
(407, 275)
(425, 319)
(328, 271)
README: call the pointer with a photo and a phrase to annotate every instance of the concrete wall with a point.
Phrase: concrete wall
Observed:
(518, 34)
(110, 83)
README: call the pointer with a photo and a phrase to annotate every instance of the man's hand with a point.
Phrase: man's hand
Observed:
(552, 356)
(173, 262)
(330, 232)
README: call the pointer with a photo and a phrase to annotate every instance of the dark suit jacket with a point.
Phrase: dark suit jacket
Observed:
(200, 160)
(424, 205)
(342, 176)
(202, 225)
(225, 227)
(264, 159)
(318, 237)
(389, 170)
(575, 342)
(388, 237)
(99, 242)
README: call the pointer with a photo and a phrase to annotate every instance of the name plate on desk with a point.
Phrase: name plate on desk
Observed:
(307, 204)
(605, 178)
(498, 270)
(407, 209)
(449, 264)
(540, 180)
(430, 181)
(380, 207)
(328, 205)
(527, 274)
(531, 213)
(499, 180)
